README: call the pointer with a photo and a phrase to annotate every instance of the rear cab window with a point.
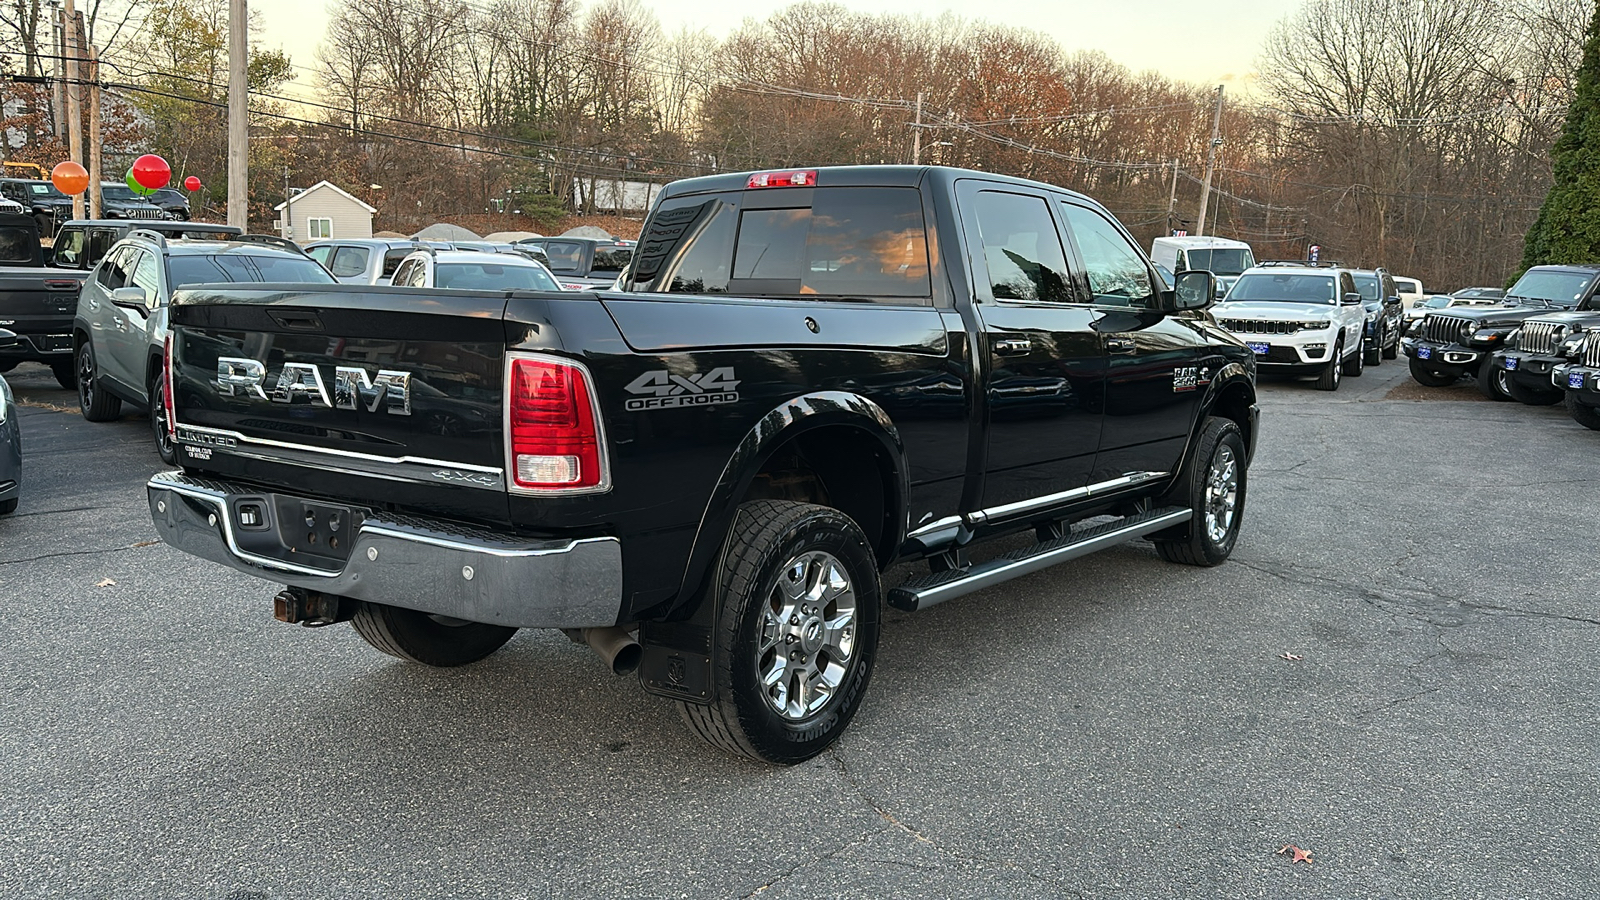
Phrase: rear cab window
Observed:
(863, 244)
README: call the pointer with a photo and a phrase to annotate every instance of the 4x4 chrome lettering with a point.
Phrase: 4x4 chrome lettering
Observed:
(667, 390)
(353, 388)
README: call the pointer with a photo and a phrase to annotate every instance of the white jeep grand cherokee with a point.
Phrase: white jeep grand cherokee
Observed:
(1301, 318)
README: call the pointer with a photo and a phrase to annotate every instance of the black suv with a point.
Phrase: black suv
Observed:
(48, 206)
(171, 201)
(583, 264)
(1461, 341)
(1385, 315)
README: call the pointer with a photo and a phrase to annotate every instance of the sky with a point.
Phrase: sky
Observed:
(1203, 41)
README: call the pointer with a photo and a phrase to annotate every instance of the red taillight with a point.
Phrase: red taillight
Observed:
(167, 399)
(551, 427)
(791, 178)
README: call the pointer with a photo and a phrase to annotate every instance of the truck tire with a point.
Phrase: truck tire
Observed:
(1212, 484)
(422, 638)
(796, 635)
(1430, 377)
(1329, 380)
(165, 447)
(1582, 413)
(66, 374)
(7, 507)
(95, 402)
(1493, 381)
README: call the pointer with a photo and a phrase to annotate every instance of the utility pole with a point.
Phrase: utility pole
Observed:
(1172, 201)
(288, 207)
(238, 115)
(916, 134)
(58, 93)
(94, 121)
(74, 106)
(1211, 164)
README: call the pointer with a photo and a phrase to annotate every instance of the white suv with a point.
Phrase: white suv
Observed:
(473, 270)
(1300, 318)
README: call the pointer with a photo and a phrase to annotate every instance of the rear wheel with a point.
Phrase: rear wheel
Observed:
(1213, 485)
(93, 401)
(158, 418)
(66, 374)
(1329, 381)
(428, 639)
(1582, 413)
(8, 507)
(1430, 377)
(1493, 382)
(796, 634)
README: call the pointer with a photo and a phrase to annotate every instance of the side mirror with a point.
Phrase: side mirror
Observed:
(1193, 289)
(1391, 300)
(1352, 299)
(128, 296)
(7, 339)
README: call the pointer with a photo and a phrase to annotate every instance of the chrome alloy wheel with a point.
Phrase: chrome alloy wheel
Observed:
(1222, 494)
(807, 637)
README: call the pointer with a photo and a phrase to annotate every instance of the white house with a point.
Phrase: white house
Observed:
(324, 211)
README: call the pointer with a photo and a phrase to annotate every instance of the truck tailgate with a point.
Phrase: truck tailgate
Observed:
(38, 301)
(388, 397)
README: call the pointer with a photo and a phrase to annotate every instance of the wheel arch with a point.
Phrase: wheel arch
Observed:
(825, 433)
(1233, 397)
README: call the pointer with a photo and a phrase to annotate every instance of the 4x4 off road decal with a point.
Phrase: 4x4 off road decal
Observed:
(662, 389)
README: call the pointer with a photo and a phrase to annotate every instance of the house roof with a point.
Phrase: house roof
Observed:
(332, 187)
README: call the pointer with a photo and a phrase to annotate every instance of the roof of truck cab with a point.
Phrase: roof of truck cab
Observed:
(855, 176)
(1201, 242)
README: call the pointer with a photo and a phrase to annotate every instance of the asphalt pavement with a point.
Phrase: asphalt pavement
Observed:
(1395, 673)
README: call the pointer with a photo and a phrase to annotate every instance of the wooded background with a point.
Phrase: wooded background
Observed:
(1413, 134)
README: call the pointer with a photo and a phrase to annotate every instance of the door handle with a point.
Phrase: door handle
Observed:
(1012, 347)
(1120, 345)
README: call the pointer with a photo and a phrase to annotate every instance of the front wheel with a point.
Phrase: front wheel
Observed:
(1356, 362)
(1582, 413)
(1493, 382)
(428, 639)
(1329, 380)
(1212, 484)
(796, 634)
(1430, 377)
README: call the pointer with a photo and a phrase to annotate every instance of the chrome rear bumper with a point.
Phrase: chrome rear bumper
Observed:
(432, 566)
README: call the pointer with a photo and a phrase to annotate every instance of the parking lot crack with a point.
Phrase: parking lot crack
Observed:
(795, 869)
(70, 553)
(896, 824)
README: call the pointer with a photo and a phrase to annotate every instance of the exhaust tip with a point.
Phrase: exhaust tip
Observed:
(617, 647)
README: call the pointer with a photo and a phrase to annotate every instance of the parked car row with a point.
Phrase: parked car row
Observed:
(1309, 318)
(1539, 345)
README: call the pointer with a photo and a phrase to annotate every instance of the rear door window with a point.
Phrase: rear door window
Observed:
(865, 243)
(349, 262)
(113, 271)
(100, 243)
(1021, 248)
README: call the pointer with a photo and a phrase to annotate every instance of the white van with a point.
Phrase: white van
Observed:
(1223, 257)
(1411, 292)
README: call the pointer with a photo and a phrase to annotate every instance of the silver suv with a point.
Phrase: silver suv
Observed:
(121, 326)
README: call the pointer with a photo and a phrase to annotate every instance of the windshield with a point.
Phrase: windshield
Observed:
(1367, 285)
(487, 276)
(1559, 288)
(1222, 261)
(1436, 302)
(209, 269)
(121, 194)
(1284, 287)
(45, 189)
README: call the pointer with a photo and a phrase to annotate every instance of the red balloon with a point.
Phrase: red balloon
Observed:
(70, 178)
(191, 183)
(151, 171)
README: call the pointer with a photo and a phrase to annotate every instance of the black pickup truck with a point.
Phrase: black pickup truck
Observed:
(36, 302)
(816, 374)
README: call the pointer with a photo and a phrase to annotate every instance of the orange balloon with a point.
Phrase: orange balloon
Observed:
(70, 178)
